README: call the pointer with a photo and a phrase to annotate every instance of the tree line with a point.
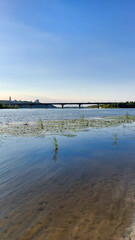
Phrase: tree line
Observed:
(2, 106)
(119, 105)
(130, 104)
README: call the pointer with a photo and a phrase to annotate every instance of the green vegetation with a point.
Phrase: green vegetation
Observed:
(16, 106)
(2, 106)
(49, 127)
(116, 105)
(40, 124)
(55, 143)
(82, 118)
(93, 106)
(10, 106)
(127, 116)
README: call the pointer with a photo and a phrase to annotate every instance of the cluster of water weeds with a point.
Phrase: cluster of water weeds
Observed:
(47, 127)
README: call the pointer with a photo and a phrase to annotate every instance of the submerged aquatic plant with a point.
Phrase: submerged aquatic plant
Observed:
(82, 117)
(62, 126)
(40, 124)
(127, 116)
(1, 141)
(26, 124)
(115, 138)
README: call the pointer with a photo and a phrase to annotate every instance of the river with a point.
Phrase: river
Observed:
(19, 115)
(84, 190)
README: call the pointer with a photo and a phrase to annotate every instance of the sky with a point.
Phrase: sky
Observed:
(71, 50)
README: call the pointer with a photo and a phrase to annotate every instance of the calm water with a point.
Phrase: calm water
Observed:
(59, 114)
(85, 190)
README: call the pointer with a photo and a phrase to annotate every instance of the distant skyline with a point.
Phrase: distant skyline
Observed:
(67, 50)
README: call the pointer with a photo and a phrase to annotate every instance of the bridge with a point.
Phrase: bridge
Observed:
(24, 104)
(79, 104)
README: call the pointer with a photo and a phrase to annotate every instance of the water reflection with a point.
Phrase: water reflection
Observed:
(55, 155)
(115, 139)
(1, 141)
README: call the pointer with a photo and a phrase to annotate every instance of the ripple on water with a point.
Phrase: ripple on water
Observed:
(86, 192)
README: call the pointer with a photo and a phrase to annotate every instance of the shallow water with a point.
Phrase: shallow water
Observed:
(26, 115)
(85, 190)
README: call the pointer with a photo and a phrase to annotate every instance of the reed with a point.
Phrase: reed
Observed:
(40, 124)
(55, 143)
(82, 117)
(127, 116)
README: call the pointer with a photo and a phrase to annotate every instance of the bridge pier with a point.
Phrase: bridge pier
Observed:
(46, 105)
(62, 105)
(97, 105)
(79, 105)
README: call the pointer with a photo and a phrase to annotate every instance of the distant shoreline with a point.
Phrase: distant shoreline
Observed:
(120, 105)
(34, 105)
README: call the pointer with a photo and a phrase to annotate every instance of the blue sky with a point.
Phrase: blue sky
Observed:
(67, 50)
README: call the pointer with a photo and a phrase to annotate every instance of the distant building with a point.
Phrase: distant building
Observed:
(37, 101)
(10, 99)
